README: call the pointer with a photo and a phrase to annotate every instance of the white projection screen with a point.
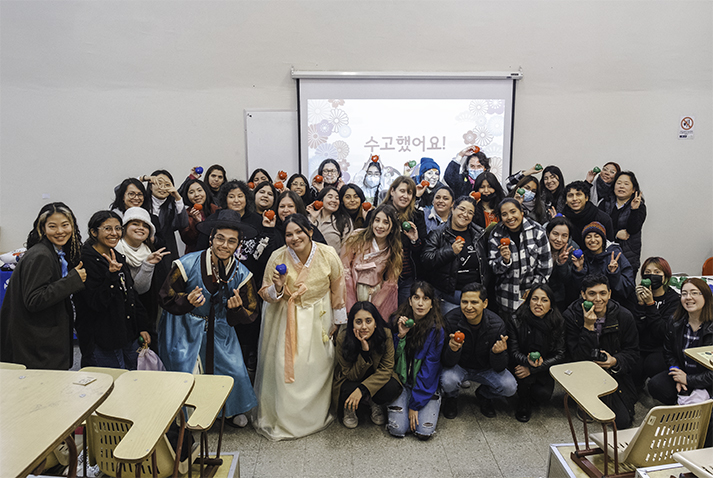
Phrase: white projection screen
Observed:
(403, 119)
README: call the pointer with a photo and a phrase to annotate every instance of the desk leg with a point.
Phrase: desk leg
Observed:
(180, 443)
(153, 463)
(220, 437)
(72, 457)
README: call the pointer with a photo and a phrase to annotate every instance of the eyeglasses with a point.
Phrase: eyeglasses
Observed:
(133, 195)
(465, 211)
(220, 240)
(693, 293)
(329, 171)
(108, 229)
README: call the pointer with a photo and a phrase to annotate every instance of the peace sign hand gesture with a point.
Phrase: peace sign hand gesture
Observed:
(636, 201)
(614, 264)
(114, 265)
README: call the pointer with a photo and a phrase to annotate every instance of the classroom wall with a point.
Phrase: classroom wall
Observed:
(92, 92)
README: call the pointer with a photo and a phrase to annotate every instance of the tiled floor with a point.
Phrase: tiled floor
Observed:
(468, 446)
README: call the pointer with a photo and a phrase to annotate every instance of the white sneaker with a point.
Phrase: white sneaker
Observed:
(350, 419)
(465, 384)
(377, 414)
(240, 421)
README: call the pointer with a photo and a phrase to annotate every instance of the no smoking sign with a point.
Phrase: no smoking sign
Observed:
(685, 127)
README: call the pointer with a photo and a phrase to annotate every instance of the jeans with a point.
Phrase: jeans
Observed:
(405, 289)
(125, 357)
(449, 302)
(493, 384)
(398, 424)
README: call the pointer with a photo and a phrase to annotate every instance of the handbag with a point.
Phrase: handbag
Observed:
(148, 360)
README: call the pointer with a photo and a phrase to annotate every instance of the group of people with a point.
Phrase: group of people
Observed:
(345, 300)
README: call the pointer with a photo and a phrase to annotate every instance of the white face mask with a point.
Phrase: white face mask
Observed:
(474, 173)
(528, 196)
(372, 181)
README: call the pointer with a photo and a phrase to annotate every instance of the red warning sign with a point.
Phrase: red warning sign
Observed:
(687, 123)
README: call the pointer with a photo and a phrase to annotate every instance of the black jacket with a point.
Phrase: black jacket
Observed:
(477, 350)
(36, 316)
(674, 355)
(519, 347)
(109, 314)
(440, 263)
(581, 219)
(619, 338)
(632, 220)
(652, 320)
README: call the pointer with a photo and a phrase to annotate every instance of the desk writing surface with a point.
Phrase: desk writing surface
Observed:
(208, 397)
(585, 382)
(39, 409)
(150, 401)
(702, 355)
(700, 461)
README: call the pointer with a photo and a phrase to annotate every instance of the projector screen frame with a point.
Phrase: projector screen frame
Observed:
(298, 75)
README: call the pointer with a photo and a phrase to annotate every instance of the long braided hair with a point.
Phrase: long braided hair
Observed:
(73, 247)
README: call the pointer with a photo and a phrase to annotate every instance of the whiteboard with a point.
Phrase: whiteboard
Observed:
(271, 141)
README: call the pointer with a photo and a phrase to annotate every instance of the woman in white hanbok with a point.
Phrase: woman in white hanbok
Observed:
(304, 306)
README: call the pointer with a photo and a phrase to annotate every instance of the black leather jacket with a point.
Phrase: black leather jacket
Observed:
(441, 263)
(674, 355)
(519, 345)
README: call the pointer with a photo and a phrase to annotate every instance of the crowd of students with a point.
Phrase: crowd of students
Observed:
(385, 297)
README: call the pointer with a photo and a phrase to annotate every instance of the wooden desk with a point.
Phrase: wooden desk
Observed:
(150, 401)
(702, 355)
(700, 462)
(11, 366)
(39, 409)
(208, 398)
(585, 382)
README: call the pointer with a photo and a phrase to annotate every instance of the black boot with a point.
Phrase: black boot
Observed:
(450, 407)
(486, 405)
(524, 409)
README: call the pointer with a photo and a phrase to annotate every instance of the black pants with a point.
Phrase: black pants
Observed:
(537, 387)
(663, 388)
(649, 365)
(386, 394)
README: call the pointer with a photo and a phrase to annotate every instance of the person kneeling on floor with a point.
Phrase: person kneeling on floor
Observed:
(477, 351)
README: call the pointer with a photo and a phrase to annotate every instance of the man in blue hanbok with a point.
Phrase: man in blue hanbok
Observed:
(204, 296)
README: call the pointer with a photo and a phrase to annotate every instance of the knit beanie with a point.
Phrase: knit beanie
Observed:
(139, 214)
(426, 165)
(595, 227)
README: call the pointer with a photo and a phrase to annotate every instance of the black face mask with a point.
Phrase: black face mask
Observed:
(656, 280)
(487, 197)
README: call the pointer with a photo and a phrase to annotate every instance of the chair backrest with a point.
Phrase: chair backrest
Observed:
(708, 267)
(104, 434)
(667, 430)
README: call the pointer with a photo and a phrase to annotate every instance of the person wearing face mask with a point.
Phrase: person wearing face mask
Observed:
(602, 184)
(370, 180)
(656, 304)
(531, 199)
(559, 234)
(692, 326)
(205, 295)
(513, 181)
(465, 169)
(440, 211)
(455, 254)
(536, 327)
(430, 172)
(627, 210)
(372, 260)
(604, 257)
(491, 193)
